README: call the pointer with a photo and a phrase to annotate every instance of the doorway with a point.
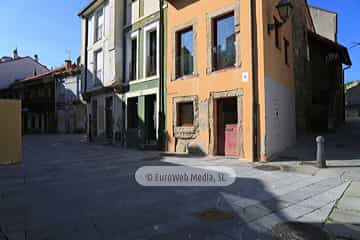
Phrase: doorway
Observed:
(94, 119)
(150, 119)
(109, 117)
(227, 126)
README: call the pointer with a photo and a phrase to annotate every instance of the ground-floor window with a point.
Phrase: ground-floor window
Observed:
(185, 114)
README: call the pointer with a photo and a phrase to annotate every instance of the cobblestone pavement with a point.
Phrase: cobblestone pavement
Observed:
(71, 190)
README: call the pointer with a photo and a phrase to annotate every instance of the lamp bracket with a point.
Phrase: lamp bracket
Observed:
(272, 26)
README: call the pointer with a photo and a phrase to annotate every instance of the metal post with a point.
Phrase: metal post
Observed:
(320, 152)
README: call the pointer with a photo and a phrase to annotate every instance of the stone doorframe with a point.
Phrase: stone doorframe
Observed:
(238, 93)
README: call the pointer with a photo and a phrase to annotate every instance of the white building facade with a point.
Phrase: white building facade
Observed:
(102, 71)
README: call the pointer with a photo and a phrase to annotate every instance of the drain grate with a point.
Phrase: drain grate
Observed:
(213, 215)
(269, 168)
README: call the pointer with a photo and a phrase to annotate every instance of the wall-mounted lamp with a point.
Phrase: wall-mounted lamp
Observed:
(285, 9)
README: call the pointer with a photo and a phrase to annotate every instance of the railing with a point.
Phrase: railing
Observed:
(151, 66)
(184, 65)
(223, 58)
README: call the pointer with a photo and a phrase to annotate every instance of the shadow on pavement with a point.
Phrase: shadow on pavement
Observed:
(341, 145)
(67, 190)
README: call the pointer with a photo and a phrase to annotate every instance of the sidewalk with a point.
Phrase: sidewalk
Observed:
(342, 153)
(344, 221)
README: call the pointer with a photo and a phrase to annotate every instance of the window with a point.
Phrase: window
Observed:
(98, 71)
(151, 50)
(223, 50)
(99, 25)
(185, 114)
(277, 33)
(133, 59)
(133, 11)
(286, 51)
(132, 113)
(184, 62)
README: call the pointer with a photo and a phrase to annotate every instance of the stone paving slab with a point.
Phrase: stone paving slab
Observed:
(350, 203)
(344, 221)
(345, 216)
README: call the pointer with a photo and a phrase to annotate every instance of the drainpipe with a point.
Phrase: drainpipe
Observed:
(162, 77)
(86, 56)
(255, 79)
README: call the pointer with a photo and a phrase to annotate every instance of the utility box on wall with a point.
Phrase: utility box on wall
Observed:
(10, 132)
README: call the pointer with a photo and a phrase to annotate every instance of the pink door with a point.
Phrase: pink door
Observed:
(231, 140)
(227, 127)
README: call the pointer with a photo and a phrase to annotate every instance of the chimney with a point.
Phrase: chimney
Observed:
(15, 54)
(36, 57)
(68, 64)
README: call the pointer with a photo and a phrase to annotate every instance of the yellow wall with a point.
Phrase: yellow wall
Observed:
(270, 65)
(204, 82)
(10, 131)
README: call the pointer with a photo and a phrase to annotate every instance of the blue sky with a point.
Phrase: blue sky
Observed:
(51, 28)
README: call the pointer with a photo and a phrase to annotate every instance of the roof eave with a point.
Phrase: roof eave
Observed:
(84, 12)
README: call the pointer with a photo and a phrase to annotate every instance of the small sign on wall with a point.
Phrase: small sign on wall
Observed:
(245, 76)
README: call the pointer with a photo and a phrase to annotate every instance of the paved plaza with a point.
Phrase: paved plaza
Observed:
(69, 189)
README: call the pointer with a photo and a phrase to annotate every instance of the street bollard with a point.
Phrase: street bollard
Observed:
(320, 152)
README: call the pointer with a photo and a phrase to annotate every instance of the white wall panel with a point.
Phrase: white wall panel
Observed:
(280, 117)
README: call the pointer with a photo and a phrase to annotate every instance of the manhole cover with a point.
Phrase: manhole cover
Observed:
(213, 215)
(298, 231)
(268, 168)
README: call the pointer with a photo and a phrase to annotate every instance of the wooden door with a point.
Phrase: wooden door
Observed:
(231, 140)
(227, 127)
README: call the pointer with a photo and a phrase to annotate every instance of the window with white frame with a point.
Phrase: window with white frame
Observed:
(133, 51)
(98, 67)
(99, 25)
(133, 11)
(151, 50)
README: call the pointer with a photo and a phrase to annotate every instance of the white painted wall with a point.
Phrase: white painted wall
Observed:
(151, 7)
(69, 88)
(325, 23)
(110, 44)
(352, 95)
(19, 69)
(280, 117)
(132, 11)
